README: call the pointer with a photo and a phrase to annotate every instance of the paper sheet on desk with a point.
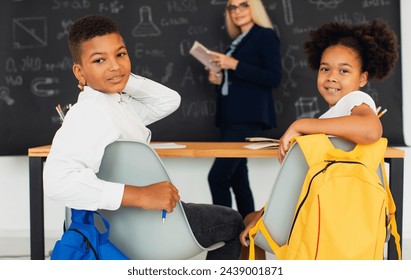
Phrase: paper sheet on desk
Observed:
(167, 146)
(262, 145)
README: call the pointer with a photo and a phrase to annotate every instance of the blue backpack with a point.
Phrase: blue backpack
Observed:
(83, 241)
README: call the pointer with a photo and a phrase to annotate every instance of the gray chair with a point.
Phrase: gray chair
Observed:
(280, 208)
(139, 233)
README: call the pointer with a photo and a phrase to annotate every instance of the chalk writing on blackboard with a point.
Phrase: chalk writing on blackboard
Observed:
(146, 26)
(30, 32)
(288, 12)
(290, 63)
(45, 86)
(36, 65)
(5, 96)
(326, 4)
(306, 107)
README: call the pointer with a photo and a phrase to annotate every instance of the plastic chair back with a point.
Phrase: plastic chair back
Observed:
(139, 233)
(280, 208)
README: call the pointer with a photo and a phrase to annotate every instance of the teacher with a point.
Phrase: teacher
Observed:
(250, 69)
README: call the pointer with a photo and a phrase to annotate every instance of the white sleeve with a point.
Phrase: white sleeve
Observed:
(152, 101)
(345, 105)
(358, 98)
(75, 157)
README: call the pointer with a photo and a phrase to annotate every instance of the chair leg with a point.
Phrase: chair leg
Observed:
(259, 253)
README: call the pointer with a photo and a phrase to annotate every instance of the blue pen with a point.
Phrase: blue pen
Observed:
(164, 215)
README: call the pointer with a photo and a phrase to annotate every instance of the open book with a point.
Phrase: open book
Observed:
(202, 54)
(261, 143)
(261, 139)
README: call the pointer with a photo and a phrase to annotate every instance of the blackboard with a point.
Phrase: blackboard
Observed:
(35, 64)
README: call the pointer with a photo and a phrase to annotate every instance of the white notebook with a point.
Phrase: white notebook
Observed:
(201, 53)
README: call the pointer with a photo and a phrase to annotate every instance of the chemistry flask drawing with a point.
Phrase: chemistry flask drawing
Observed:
(146, 26)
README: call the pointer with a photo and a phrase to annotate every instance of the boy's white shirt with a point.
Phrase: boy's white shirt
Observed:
(95, 121)
(345, 105)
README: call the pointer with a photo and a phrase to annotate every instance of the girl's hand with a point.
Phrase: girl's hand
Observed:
(285, 140)
(223, 61)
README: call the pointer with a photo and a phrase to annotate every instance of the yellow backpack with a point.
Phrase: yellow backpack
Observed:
(343, 211)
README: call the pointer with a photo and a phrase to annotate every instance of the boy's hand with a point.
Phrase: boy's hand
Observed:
(157, 196)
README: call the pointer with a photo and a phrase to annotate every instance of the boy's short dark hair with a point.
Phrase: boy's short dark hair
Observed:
(87, 28)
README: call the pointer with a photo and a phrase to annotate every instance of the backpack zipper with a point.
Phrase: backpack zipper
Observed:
(87, 241)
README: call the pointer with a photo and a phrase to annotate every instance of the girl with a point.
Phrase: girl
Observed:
(346, 57)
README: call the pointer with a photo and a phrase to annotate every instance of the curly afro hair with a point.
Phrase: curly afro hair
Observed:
(87, 28)
(376, 44)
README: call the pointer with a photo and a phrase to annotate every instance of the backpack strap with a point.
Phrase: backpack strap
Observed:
(86, 217)
(317, 147)
(314, 147)
(373, 154)
(392, 222)
(259, 226)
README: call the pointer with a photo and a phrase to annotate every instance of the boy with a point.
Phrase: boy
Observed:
(104, 114)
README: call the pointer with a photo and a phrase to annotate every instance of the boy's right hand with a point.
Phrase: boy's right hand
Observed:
(157, 196)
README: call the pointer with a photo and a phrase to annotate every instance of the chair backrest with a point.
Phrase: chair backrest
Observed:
(280, 208)
(139, 233)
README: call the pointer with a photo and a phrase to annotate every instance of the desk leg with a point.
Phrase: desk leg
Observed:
(397, 190)
(36, 208)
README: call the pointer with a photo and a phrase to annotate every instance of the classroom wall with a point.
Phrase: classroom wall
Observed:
(190, 175)
(406, 68)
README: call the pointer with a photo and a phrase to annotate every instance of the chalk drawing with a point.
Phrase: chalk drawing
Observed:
(146, 27)
(43, 86)
(30, 32)
(5, 96)
(306, 107)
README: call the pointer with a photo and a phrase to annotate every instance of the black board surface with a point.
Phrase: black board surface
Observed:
(35, 64)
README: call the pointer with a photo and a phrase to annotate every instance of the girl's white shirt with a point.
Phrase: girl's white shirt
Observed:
(345, 105)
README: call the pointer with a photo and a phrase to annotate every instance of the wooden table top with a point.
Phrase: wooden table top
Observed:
(212, 150)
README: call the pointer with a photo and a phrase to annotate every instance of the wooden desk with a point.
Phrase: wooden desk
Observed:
(37, 156)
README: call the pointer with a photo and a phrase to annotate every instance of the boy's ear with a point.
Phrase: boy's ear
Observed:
(77, 70)
(364, 79)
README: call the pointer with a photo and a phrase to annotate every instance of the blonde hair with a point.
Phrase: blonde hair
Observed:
(258, 14)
